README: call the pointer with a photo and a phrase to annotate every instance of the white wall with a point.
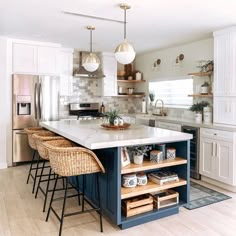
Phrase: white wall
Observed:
(3, 103)
(199, 50)
(193, 52)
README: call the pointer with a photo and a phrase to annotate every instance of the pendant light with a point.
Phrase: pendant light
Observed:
(124, 52)
(91, 62)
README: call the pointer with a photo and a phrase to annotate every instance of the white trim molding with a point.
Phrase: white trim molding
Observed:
(3, 165)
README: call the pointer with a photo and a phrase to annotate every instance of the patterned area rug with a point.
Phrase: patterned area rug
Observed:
(202, 196)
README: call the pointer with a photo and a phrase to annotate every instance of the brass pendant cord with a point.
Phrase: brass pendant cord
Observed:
(125, 23)
(91, 40)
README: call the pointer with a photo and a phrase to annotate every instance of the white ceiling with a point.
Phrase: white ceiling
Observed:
(152, 24)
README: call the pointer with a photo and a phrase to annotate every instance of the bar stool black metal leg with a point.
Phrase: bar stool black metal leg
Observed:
(36, 173)
(83, 192)
(40, 177)
(99, 201)
(46, 191)
(50, 204)
(63, 207)
(77, 187)
(31, 165)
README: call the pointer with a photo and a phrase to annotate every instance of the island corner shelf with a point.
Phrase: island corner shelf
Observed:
(147, 165)
(149, 188)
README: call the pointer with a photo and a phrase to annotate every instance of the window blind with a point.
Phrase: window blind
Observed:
(174, 93)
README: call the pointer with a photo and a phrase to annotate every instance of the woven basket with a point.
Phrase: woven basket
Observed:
(32, 140)
(31, 130)
(41, 137)
(72, 161)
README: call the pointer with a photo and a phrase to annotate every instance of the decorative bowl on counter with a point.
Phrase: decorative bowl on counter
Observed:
(115, 127)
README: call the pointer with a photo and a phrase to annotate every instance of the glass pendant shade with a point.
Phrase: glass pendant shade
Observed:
(91, 62)
(124, 53)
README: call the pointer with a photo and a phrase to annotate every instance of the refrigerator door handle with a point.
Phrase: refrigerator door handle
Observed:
(40, 101)
(21, 132)
(35, 101)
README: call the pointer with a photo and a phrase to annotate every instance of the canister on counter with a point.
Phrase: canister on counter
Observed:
(170, 153)
(156, 156)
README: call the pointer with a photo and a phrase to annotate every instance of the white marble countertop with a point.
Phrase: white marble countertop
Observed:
(185, 121)
(91, 135)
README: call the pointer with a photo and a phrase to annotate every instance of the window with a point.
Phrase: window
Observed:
(174, 93)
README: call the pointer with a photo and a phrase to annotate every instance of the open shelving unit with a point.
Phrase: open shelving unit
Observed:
(130, 95)
(180, 165)
(147, 165)
(125, 83)
(202, 74)
(130, 81)
(201, 95)
(149, 188)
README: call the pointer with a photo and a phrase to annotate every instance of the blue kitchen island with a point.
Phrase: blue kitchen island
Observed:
(107, 145)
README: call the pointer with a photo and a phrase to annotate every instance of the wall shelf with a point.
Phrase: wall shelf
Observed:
(130, 81)
(209, 73)
(131, 95)
(201, 95)
(149, 188)
(147, 165)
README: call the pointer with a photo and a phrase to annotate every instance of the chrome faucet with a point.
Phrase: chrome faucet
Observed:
(161, 113)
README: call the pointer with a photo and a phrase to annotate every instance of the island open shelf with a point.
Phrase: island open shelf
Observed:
(147, 165)
(149, 188)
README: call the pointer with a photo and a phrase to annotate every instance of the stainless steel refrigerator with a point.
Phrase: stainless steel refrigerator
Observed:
(35, 98)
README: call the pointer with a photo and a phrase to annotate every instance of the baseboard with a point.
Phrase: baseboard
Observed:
(219, 184)
(3, 165)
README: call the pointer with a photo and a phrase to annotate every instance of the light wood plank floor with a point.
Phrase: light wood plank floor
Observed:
(21, 215)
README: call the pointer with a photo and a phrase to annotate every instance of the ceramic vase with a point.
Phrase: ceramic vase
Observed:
(198, 117)
(138, 159)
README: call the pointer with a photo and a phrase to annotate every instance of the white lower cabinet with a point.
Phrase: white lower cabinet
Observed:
(217, 155)
(169, 126)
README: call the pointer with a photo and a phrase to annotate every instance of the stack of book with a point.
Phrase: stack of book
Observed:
(162, 177)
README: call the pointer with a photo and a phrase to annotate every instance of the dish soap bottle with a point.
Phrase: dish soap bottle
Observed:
(102, 109)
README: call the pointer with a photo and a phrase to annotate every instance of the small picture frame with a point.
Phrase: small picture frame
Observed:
(125, 160)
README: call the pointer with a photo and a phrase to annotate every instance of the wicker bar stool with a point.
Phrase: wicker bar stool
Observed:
(30, 131)
(73, 161)
(32, 143)
(38, 139)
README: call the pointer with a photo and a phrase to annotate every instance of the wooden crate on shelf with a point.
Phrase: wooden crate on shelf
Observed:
(137, 205)
(165, 198)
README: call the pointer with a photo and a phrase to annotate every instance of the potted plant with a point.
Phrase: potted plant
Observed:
(209, 66)
(198, 109)
(113, 117)
(138, 153)
(205, 88)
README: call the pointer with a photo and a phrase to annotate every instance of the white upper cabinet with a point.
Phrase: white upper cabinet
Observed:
(47, 59)
(34, 58)
(109, 68)
(24, 58)
(225, 110)
(225, 62)
(65, 70)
